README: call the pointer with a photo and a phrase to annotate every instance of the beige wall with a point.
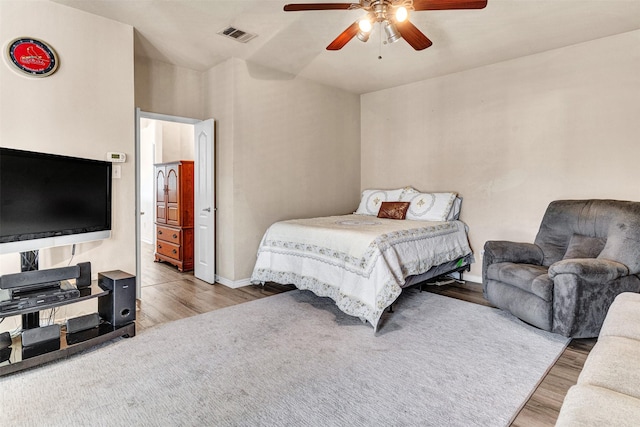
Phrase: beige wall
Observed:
(167, 89)
(85, 109)
(289, 148)
(219, 93)
(177, 141)
(513, 136)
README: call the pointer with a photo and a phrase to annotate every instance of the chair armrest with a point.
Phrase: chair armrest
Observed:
(505, 251)
(593, 270)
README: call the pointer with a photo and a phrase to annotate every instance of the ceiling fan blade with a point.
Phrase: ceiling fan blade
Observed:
(413, 35)
(296, 7)
(448, 4)
(344, 37)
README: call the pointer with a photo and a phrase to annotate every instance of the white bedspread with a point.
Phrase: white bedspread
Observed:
(358, 261)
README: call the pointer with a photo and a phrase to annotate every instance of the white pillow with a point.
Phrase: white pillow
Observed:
(429, 206)
(454, 213)
(372, 199)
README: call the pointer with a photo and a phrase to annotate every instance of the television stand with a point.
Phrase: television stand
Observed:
(29, 261)
(69, 343)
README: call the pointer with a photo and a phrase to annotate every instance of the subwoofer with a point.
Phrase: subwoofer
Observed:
(119, 307)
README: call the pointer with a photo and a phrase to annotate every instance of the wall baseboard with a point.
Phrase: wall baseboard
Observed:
(231, 283)
(472, 278)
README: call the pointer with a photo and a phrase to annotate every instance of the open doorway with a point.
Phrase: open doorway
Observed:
(162, 139)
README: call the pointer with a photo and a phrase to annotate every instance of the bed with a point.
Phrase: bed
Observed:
(363, 261)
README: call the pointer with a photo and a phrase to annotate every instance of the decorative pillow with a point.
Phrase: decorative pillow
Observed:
(372, 199)
(393, 210)
(584, 247)
(429, 206)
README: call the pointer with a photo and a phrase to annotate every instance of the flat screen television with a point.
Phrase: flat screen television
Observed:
(51, 200)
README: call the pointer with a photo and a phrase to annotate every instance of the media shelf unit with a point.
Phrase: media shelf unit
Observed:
(69, 343)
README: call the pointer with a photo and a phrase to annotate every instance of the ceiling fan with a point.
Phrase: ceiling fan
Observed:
(391, 14)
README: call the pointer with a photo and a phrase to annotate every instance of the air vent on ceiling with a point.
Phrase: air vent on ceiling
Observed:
(236, 34)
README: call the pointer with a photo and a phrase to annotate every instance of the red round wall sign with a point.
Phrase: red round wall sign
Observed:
(32, 56)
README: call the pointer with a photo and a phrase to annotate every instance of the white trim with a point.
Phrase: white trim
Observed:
(232, 284)
(472, 278)
(137, 208)
(168, 118)
(139, 114)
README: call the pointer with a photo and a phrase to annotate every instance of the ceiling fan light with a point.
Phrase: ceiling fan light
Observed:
(401, 14)
(363, 37)
(392, 32)
(365, 25)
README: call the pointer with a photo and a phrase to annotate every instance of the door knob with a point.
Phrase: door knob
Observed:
(207, 209)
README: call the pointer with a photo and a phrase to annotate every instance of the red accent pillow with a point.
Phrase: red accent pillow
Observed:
(393, 210)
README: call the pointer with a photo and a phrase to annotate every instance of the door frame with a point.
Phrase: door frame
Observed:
(153, 116)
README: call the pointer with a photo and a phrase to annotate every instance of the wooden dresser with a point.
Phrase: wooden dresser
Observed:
(174, 213)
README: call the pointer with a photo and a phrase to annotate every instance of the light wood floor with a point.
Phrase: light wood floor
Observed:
(168, 295)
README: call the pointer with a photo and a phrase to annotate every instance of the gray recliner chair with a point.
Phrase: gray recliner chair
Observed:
(585, 253)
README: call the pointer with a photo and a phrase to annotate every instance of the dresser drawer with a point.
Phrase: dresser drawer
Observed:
(168, 234)
(169, 249)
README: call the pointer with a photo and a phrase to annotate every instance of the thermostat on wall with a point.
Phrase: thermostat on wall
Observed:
(116, 157)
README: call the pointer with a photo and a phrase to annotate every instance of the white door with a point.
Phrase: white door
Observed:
(147, 188)
(204, 232)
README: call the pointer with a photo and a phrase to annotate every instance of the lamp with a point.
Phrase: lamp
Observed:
(365, 25)
(387, 14)
(401, 14)
(392, 32)
(365, 29)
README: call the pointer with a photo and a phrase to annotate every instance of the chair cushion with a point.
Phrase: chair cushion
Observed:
(528, 277)
(584, 247)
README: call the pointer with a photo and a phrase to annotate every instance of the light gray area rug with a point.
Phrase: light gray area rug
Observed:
(295, 360)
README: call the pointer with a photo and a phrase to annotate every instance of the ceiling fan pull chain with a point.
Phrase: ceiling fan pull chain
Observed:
(380, 44)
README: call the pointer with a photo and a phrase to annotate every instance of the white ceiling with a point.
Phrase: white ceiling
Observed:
(184, 33)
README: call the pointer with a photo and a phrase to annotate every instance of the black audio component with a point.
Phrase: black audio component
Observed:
(77, 324)
(5, 354)
(5, 340)
(42, 348)
(38, 278)
(84, 279)
(37, 298)
(35, 336)
(87, 334)
(119, 307)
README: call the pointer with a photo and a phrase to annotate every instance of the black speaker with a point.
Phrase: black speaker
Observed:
(84, 280)
(119, 307)
(5, 354)
(35, 336)
(36, 278)
(5, 340)
(82, 323)
(41, 348)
